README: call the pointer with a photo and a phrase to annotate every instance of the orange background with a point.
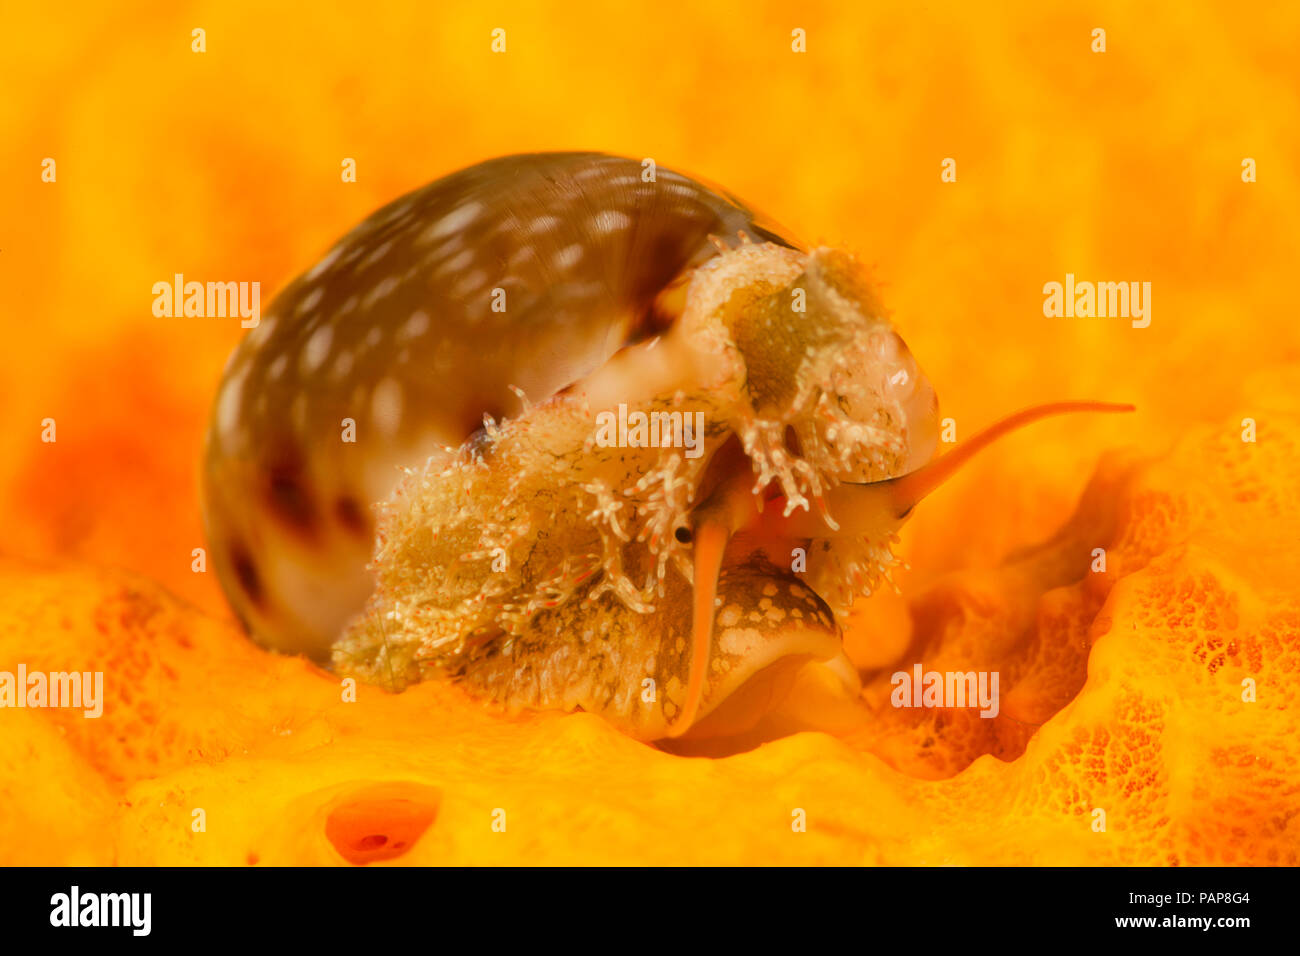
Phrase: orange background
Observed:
(225, 165)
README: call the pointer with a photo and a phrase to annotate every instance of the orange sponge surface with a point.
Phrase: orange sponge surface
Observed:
(1160, 692)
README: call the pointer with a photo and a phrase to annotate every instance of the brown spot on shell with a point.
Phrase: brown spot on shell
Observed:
(246, 574)
(288, 494)
(352, 516)
(291, 502)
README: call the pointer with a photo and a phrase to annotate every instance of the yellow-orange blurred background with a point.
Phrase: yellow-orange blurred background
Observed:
(1123, 165)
